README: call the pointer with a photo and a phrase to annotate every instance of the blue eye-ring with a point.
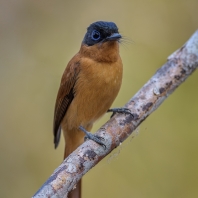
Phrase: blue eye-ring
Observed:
(95, 35)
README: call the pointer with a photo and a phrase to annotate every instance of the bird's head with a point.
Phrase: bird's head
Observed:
(100, 32)
(101, 42)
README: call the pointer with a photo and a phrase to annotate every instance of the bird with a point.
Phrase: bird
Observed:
(89, 85)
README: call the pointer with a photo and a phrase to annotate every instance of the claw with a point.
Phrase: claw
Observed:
(120, 110)
(93, 137)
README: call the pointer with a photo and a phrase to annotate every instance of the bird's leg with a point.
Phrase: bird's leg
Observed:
(93, 137)
(120, 110)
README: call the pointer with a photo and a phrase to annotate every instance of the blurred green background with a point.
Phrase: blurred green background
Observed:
(38, 38)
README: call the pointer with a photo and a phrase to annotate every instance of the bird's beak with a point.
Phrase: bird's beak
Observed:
(114, 37)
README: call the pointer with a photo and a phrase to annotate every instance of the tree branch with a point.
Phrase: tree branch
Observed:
(178, 67)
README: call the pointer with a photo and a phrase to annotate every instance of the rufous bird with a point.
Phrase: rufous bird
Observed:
(89, 85)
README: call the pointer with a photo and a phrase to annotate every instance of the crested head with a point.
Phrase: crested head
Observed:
(101, 31)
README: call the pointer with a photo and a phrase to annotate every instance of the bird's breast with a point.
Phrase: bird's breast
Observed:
(96, 88)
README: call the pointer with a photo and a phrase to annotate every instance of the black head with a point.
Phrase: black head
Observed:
(101, 31)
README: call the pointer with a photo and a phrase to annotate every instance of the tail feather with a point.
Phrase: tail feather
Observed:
(72, 143)
(76, 193)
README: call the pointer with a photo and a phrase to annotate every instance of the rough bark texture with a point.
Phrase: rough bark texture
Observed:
(178, 67)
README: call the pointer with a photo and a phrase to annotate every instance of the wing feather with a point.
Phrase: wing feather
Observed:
(65, 96)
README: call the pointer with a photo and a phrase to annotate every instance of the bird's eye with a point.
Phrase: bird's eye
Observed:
(95, 35)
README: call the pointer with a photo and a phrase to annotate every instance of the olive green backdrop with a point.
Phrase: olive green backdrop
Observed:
(38, 38)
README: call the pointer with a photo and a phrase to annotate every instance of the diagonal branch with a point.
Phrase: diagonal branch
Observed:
(179, 66)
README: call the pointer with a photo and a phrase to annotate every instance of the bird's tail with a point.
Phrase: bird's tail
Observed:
(71, 144)
(76, 193)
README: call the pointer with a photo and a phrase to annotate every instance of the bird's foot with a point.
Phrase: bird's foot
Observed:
(120, 110)
(93, 137)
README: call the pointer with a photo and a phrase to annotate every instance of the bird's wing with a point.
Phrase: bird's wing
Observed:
(65, 96)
